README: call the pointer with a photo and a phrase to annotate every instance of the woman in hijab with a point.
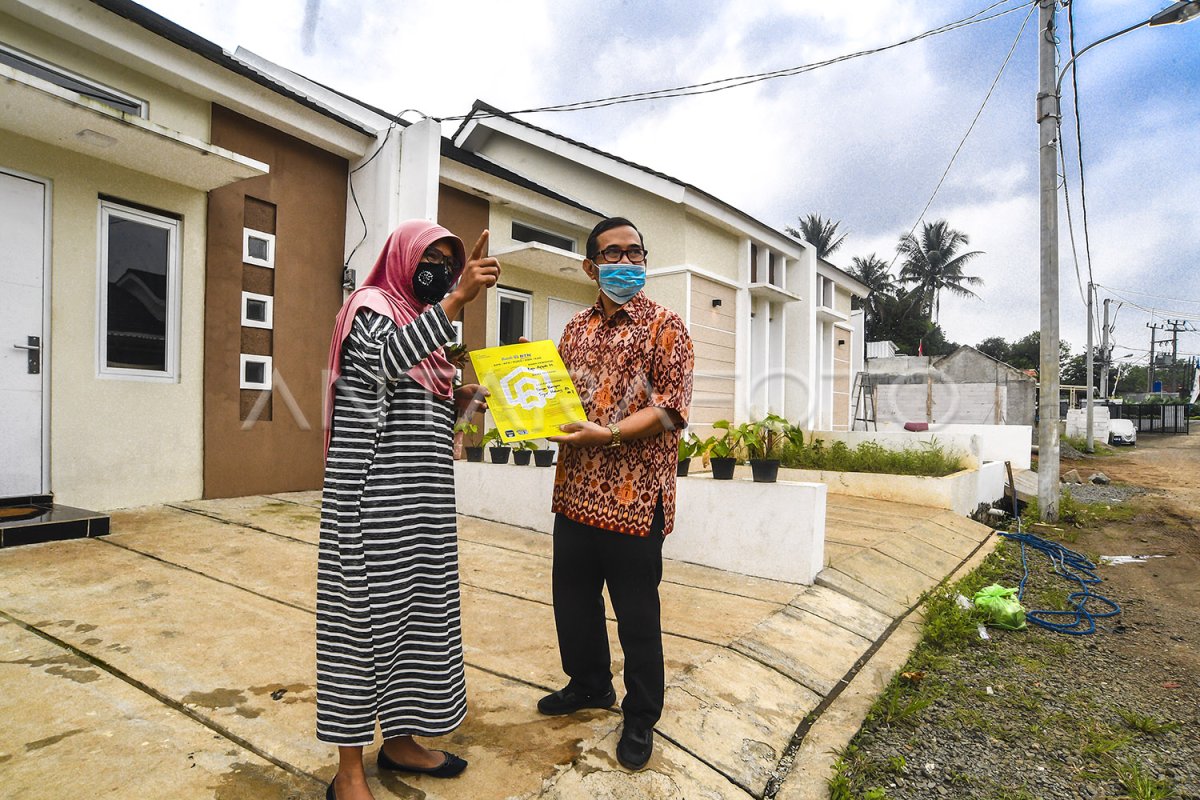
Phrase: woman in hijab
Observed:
(389, 643)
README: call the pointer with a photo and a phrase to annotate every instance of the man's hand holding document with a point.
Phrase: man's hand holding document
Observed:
(531, 391)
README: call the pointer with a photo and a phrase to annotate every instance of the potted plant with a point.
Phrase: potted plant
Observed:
(498, 450)
(462, 429)
(544, 457)
(523, 451)
(689, 447)
(764, 440)
(720, 450)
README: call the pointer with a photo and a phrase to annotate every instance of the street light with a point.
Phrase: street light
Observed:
(1048, 116)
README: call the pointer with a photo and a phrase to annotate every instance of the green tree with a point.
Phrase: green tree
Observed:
(996, 347)
(1026, 353)
(933, 264)
(821, 233)
(901, 321)
(876, 274)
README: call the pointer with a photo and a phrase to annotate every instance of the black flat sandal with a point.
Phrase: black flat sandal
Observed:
(451, 766)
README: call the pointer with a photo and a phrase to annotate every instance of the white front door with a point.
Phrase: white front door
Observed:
(23, 244)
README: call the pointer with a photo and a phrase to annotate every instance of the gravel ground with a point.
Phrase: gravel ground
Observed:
(1037, 714)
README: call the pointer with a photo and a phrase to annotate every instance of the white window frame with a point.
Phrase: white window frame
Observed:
(170, 374)
(269, 238)
(515, 294)
(268, 368)
(268, 301)
(142, 105)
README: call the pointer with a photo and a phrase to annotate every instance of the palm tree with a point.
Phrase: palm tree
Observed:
(821, 233)
(933, 264)
(876, 274)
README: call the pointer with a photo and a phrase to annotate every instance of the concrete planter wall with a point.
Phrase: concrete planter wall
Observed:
(735, 525)
(961, 492)
(980, 443)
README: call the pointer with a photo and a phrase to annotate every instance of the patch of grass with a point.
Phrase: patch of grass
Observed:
(1102, 450)
(1144, 724)
(928, 459)
(1075, 514)
(1100, 740)
(897, 765)
(1141, 786)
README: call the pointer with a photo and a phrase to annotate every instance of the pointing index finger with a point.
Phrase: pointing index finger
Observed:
(481, 246)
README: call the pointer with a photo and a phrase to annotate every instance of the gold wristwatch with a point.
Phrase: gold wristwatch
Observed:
(616, 435)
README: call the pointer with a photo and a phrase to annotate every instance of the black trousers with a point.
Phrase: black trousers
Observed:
(585, 559)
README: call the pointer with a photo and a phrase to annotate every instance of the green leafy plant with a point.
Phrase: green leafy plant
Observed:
(465, 426)
(764, 438)
(528, 444)
(690, 445)
(722, 445)
(1141, 786)
(491, 437)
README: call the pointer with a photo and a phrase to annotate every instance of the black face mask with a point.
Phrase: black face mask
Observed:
(431, 282)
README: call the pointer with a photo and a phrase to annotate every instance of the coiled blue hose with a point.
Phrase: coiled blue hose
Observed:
(1073, 567)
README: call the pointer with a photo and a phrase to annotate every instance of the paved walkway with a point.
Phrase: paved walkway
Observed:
(174, 659)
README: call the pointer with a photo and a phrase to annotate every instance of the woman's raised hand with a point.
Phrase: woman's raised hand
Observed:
(479, 273)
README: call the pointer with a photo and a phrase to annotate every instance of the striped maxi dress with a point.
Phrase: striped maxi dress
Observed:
(389, 641)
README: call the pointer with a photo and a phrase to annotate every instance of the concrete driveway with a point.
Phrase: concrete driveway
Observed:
(174, 659)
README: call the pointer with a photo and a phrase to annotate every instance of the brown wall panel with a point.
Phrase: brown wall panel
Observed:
(256, 341)
(307, 187)
(260, 215)
(260, 280)
(466, 216)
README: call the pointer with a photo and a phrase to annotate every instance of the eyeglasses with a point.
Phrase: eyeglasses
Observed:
(435, 256)
(612, 255)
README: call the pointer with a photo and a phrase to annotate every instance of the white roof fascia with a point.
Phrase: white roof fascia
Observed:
(476, 132)
(100, 31)
(472, 181)
(843, 279)
(326, 98)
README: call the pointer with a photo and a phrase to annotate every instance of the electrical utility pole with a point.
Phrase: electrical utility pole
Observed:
(1104, 354)
(1091, 374)
(1154, 329)
(1047, 119)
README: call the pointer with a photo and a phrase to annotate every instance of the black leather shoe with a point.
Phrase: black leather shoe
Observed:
(451, 765)
(635, 747)
(330, 794)
(568, 701)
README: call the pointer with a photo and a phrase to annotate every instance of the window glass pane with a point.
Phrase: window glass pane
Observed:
(255, 372)
(512, 319)
(258, 248)
(138, 259)
(524, 233)
(256, 310)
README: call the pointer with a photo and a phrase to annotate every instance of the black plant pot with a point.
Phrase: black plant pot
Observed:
(475, 454)
(682, 470)
(723, 468)
(766, 470)
(521, 457)
(543, 458)
(499, 454)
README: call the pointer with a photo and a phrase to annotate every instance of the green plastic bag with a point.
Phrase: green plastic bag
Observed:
(1002, 608)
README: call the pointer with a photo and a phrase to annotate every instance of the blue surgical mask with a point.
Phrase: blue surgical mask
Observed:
(621, 282)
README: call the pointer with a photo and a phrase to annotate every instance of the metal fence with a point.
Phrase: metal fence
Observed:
(1154, 417)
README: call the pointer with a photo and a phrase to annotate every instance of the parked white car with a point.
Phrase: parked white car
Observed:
(1121, 431)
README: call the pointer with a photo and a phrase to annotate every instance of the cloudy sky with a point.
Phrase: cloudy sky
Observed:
(864, 142)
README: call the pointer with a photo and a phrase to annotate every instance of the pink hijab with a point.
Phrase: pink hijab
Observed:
(388, 290)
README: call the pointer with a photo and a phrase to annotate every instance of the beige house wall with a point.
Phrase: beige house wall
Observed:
(712, 249)
(167, 106)
(115, 442)
(542, 287)
(714, 338)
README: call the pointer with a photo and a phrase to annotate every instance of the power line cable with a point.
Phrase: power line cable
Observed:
(722, 84)
(1147, 294)
(1087, 243)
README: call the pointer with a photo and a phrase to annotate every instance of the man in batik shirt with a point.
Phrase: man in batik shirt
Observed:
(614, 492)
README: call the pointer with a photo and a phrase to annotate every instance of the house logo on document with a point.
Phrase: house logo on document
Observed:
(527, 387)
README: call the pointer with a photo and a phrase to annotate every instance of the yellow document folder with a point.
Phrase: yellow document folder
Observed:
(531, 391)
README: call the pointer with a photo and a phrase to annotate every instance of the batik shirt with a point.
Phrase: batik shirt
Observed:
(639, 357)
